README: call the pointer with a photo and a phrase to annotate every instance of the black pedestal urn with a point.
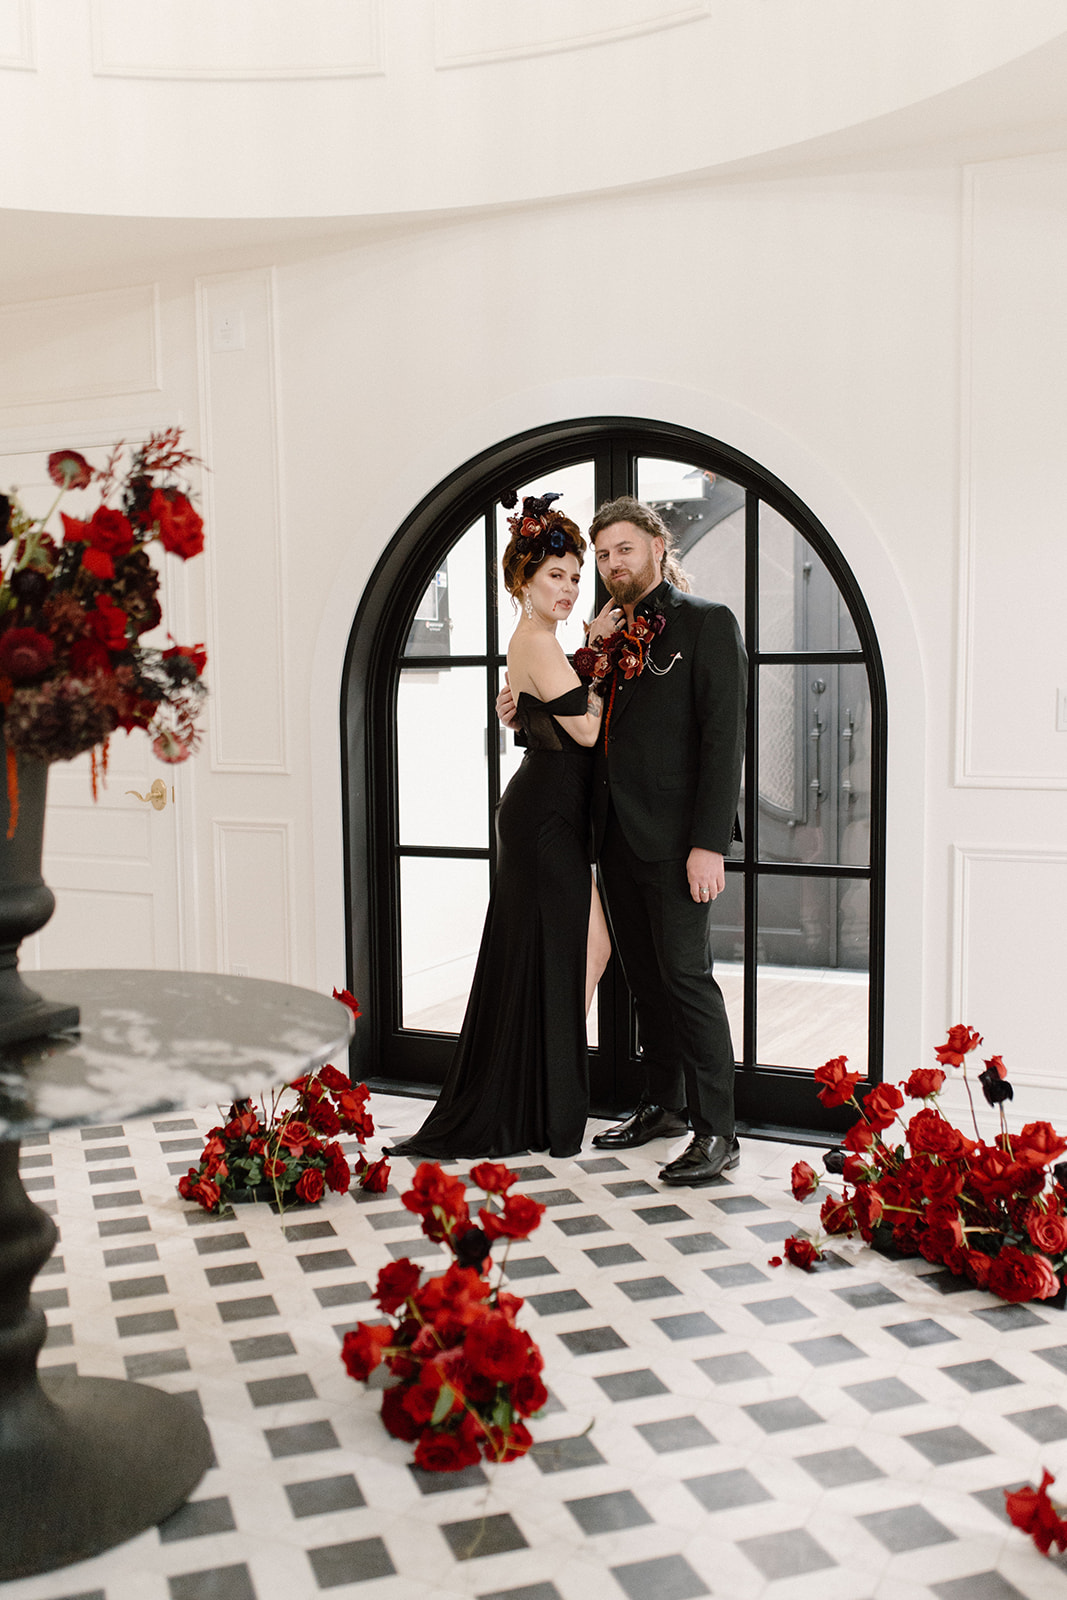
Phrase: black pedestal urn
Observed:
(26, 903)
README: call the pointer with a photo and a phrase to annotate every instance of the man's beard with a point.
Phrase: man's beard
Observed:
(629, 590)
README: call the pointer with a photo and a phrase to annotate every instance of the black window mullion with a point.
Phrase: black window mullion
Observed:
(751, 822)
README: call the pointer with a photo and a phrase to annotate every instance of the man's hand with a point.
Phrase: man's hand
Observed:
(505, 706)
(706, 872)
(607, 621)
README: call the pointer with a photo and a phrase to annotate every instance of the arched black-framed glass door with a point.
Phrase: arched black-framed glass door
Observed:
(799, 931)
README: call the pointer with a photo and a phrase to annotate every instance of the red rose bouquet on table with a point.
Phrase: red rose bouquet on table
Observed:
(288, 1154)
(993, 1212)
(467, 1374)
(77, 602)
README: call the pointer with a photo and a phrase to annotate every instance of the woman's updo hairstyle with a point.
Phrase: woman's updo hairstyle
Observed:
(536, 532)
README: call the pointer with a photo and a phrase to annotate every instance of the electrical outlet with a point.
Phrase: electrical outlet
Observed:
(1061, 710)
(228, 329)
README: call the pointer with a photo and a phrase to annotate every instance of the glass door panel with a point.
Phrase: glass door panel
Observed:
(442, 909)
(800, 605)
(449, 620)
(814, 764)
(706, 514)
(442, 756)
(812, 1004)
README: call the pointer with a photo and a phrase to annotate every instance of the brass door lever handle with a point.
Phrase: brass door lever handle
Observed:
(156, 796)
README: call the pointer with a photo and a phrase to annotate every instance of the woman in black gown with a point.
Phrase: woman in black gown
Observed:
(519, 1079)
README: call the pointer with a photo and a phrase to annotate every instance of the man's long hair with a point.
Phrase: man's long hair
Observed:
(627, 509)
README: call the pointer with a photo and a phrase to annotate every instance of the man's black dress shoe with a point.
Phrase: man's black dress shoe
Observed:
(647, 1122)
(705, 1158)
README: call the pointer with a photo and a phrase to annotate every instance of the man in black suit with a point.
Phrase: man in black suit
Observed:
(666, 784)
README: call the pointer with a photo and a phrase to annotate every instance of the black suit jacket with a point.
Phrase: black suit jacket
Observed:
(671, 763)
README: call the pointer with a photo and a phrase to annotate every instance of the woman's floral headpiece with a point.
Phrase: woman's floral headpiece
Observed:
(537, 529)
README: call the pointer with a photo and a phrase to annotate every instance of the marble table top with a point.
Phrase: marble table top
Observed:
(155, 1042)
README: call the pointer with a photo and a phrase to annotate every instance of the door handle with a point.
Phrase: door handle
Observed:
(156, 796)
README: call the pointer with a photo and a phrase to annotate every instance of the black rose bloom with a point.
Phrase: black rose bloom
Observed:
(834, 1162)
(28, 585)
(471, 1249)
(5, 518)
(994, 1087)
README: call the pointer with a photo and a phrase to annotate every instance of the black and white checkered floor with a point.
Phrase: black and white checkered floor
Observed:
(717, 1426)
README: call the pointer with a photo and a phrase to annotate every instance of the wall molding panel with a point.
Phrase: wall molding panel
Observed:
(1007, 953)
(18, 42)
(252, 40)
(1012, 554)
(254, 893)
(483, 32)
(80, 347)
(242, 497)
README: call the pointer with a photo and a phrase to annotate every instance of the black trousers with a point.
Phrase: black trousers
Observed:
(663, 938)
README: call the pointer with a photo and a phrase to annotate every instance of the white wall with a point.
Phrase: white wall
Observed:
(889, 343)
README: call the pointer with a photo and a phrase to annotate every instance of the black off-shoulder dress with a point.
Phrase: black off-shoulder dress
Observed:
(519, 1079)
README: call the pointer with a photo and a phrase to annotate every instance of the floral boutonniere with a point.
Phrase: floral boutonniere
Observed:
(625, 654)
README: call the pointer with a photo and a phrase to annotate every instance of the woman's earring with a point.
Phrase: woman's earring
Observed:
(527, 605)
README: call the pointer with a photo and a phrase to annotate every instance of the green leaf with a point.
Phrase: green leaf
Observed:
(444, 1405)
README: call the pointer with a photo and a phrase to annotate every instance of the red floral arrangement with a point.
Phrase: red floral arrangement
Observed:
(467, 1375)
(991, 1212)
(290, 1154)
(74, 611)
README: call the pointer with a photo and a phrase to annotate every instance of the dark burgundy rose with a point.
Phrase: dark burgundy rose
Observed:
(68, 469)
(5, 518)
(25, 654)
(834, 1162)
(27, 584)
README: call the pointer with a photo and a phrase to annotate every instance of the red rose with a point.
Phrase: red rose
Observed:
(109, 531)
(1016, 1276)
(108, 623)
(882, 1104)
(311, 1186)
(941, 1182)
(294, 1135)
(804, 1180)
(396, 1282)
(98, 563)
(1047, 1231)
(802, 1253)
(496, 1349)
(395, 1418)
(960, 1042)
(375, 1176)
(428, 1392)
(180, 527)
(68, 469)
(363, 1347)
(492, 1177)
(435, 1194)
(837, 1084)
(323, 1117)
(836, 1215)
(501, 1446)
(518, 1219)
(335, 1081)
(1038, 1144)
(444, 1452)
(859, 1137)
(528, 1394)
(25, 654)
(976, 1265)
(924, 1082)
(338, 1172)
(1032, 1511)
(584, 661)
(88, 656)
(351, 1107)
(348, 999)
(929, 1131)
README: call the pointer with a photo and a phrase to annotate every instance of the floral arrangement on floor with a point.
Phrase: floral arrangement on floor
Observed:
(74, 610)
(1031, 1510)
(289, 1154)
(991, 1212)
(467, 1375)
